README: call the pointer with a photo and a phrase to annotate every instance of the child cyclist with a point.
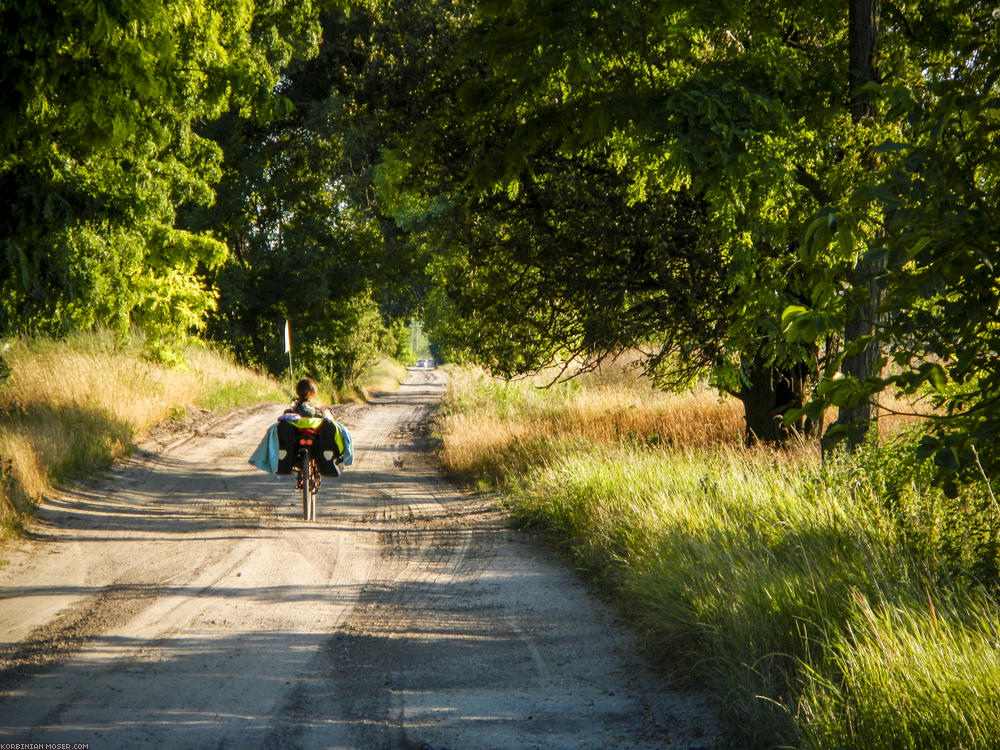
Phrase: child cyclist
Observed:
(329, 452)
(305, 391)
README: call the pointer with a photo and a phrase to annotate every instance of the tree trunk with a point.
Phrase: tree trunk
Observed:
(864, 36)
(862, 322)
(768, 394)
(862, 30)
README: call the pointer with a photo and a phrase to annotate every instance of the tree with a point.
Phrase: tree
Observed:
(766, 114)
(537, 260)
(296, 204)
(933, 200)
(862, 356)
(300, 250)
(533, 279)
(99, 149)
(726, 108)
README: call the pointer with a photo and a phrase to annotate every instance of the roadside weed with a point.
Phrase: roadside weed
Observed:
(908, 676)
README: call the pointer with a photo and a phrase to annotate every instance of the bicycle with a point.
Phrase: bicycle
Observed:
(317, 449)
(310, 448)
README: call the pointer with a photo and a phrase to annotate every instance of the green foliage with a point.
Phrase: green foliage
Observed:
(400, 346)
(708, 136)
(358, 339)
(933, 196)
(743, 110)
(99, 148)
(295, 204)
(335, 340)
(542, 274)
(956, 535)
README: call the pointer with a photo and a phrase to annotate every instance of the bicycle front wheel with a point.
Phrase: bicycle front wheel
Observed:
(308, 483)
(313, 489)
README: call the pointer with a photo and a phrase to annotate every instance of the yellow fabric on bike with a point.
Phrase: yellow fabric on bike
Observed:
(314, 423)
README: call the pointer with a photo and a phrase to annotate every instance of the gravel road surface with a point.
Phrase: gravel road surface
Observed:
(181, 602)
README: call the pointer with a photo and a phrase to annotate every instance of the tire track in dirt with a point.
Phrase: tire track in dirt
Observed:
(399, 496)
(53, 643)
(170, 604)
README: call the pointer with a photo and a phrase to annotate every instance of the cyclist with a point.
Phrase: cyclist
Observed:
(305, 391)
(329, 452)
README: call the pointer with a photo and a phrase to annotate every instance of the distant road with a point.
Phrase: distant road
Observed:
(182, 603)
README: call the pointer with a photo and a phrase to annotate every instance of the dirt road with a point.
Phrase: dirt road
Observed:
(182, 603)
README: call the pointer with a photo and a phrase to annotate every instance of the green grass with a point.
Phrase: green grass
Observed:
(228, 396)
(910, 674)
(732, 565)
(383, 376)
(845, 606)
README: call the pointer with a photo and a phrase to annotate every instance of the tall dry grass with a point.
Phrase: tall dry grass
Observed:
(69, 408)
(383, 376)
(497, 428)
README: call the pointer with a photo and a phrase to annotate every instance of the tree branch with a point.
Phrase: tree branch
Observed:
(811, 183)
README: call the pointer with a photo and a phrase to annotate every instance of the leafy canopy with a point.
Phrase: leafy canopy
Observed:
(100, 107)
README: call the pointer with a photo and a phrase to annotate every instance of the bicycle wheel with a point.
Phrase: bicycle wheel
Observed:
(305, 469)
(313, 489)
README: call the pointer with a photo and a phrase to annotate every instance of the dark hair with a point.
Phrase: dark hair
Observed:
(304, 387)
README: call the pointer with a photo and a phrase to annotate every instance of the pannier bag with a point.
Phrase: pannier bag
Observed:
(277, 451)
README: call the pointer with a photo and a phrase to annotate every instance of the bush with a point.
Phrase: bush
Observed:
(957, 538)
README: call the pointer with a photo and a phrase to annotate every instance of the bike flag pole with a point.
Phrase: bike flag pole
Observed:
(288, 350)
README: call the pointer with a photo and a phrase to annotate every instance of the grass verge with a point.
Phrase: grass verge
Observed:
(846, 605)
(69, 408)
(384, 376)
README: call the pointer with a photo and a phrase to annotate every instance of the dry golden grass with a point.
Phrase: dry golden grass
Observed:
(69, 408)
(91, 373)
(384, 376)
(498, 425)
(896, 414)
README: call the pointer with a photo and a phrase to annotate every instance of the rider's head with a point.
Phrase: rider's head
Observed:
(305, 389)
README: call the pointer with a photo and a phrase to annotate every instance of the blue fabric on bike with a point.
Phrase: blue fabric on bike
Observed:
(348, 455)
(266, 456)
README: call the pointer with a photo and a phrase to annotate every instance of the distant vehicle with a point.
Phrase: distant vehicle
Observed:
(425, 363)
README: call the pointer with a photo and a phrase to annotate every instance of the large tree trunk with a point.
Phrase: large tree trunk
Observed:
(864, 35)
(770, 392)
